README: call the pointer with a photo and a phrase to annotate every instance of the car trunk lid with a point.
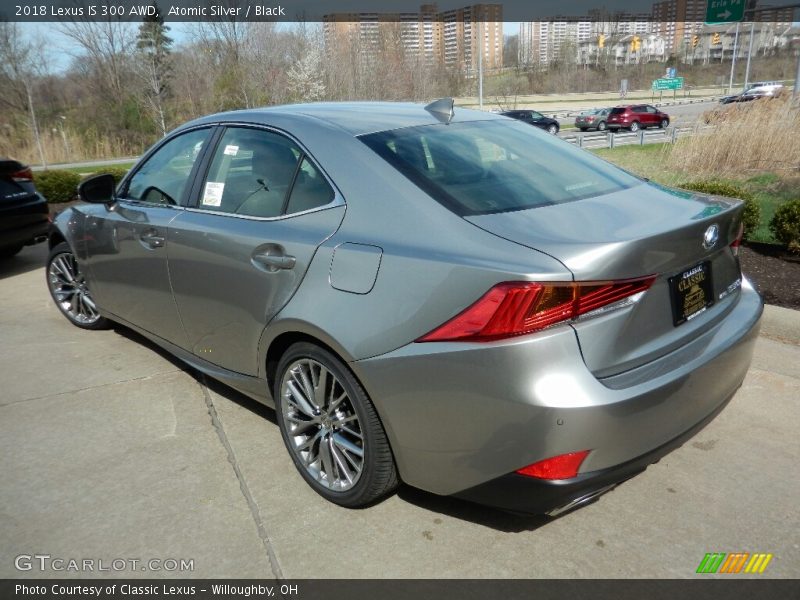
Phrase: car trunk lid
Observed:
(640, 231)
(16, 183)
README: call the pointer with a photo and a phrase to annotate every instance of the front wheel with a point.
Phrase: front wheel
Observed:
(331, 428)
(634, 126)
(664, 123)
(601, 126)
(70, 291)
(552, 129)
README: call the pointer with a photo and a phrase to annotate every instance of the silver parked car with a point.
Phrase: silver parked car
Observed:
(592, 119)
(452, 299)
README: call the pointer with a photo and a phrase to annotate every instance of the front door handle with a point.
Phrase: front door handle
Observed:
(275, 262)
(152, 239)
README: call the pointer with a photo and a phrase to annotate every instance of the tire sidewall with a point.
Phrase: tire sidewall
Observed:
(356, 495)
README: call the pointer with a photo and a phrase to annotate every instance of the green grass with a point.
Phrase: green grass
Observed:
(651, 161)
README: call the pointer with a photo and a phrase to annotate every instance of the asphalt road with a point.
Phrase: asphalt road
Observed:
(110, 449)
(681, 115)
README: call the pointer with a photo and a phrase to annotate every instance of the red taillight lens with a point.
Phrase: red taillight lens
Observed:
(590, 119)
(738, 241)
(563, 466)
(23, 175)
(520, 307)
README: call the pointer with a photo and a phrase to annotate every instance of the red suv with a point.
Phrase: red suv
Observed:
(635, 117)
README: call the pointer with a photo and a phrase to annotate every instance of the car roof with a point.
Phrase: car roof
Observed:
(356, 118)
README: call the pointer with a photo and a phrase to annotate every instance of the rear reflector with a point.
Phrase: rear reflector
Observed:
(738, 241)
(23, 175)
(563, 466)
(519, 307)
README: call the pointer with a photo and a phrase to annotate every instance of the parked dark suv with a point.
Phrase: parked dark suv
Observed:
(637, 116)
(534, 118)
(23, 211)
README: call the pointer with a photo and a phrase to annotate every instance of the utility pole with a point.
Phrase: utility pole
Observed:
(480, 64)
(733, 62)
(749, 53)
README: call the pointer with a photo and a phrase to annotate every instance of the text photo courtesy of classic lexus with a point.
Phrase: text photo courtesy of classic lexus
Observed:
(372, 269)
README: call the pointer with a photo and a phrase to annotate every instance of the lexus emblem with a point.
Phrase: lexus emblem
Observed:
(710, 237)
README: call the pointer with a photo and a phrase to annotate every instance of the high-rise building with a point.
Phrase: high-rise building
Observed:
(453, 37)
(677, 21)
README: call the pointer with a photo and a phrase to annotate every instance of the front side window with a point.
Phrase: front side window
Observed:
(484, 167)
(536, 116)
(163, 178)
(259, 173)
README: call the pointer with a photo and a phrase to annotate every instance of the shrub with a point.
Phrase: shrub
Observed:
(751, 218)
(785, 225)
(57, 186)
(117, 172)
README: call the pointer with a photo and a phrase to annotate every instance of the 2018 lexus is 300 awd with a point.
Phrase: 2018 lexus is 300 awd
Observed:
(452, 299)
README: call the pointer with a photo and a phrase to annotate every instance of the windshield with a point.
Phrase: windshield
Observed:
(484, 167)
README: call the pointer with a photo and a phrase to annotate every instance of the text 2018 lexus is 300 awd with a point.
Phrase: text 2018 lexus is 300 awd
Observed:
(451, 299)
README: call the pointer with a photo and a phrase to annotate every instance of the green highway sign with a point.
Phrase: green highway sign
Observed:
(672, 83)
(724, 11)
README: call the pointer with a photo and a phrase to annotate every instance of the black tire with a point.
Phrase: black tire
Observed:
(10, 252)
(601, 126)
(63, 250)
(378, 475)
(552, 129)
(583, 128)
(634, 127)
(664, 123)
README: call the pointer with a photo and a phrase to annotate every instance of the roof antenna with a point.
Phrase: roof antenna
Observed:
(442, 109)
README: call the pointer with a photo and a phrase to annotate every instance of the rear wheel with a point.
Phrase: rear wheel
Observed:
(634, 126)
(331, 428)
(583, 128)
(70, 291)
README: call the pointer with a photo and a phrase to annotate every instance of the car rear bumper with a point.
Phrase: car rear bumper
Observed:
(463, 417)
(26, 224)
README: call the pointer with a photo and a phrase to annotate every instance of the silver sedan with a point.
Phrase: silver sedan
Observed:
(448, 298)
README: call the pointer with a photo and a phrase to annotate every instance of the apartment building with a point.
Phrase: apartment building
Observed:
(454, 37)
(677, 21)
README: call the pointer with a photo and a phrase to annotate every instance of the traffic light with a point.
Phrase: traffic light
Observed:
(695, 41)
(715, 39)
(601, 41)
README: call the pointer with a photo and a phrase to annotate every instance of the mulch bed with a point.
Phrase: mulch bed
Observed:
(774, 272)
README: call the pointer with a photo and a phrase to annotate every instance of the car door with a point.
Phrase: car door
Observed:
(240, 251)
(653, 117)
(126, 243)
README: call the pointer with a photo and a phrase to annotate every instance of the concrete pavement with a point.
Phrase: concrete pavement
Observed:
(109, 449)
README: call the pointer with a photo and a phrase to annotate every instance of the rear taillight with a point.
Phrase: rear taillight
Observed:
(738, 241)
(519, 307)
(23, 175)
(563, 466)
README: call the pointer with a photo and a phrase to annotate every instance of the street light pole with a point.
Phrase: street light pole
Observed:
(733, 62)
(749, 53)
(480, 65)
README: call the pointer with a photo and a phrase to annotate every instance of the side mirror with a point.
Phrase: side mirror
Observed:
(98, 189)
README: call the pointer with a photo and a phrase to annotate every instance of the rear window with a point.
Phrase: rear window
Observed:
(485, 167)
(617, 111)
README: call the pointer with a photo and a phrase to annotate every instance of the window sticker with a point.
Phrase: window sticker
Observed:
(231, 150)
(212, 195)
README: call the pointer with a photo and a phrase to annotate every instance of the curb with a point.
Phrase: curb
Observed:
(781, 324)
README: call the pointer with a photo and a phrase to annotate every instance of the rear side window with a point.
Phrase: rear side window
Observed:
(484, 167)
(260, 173)
(617, 111)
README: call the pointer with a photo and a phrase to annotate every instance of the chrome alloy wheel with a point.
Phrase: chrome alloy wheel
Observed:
(69, 289)
(322, 425)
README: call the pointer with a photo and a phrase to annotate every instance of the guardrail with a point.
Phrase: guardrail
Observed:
(609, 139)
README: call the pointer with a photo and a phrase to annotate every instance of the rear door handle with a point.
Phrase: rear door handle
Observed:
(152, 239)
(275, 262)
